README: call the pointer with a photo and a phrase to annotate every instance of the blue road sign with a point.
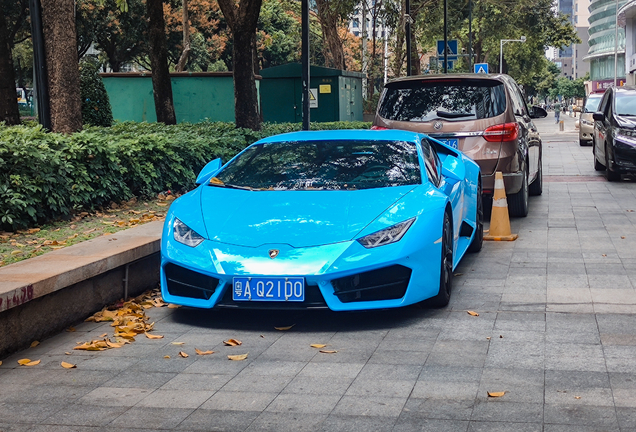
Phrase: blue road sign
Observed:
(451, 49)
(481, 68)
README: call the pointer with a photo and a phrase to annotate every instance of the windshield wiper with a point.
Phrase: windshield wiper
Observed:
(232, 186)
(447, 114)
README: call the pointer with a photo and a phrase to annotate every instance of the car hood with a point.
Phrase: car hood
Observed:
(296, 218)
(626, 122)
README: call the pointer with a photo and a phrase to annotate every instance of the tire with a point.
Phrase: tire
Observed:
(611, 175)
(597, 165)
(518, 203)
(478, 239)
(446, 272)
(536, 187)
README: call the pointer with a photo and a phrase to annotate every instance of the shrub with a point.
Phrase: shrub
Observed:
(44, 176)
(96, 110)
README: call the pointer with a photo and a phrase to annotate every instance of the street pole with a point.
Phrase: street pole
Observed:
(445, 36)
(470, 35)
(408, 38)
(386, 49)
(305, 61)
(364, 47)
(501, 56)
(39, 66)
(616, 47)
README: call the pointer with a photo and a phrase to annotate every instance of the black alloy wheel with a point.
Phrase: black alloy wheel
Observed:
(536, 188)
(446, 272)
(478, 239)
(518, 203)
(610, 174)
(597, 165)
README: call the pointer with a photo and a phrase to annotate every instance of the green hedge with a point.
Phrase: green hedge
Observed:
(46, 176)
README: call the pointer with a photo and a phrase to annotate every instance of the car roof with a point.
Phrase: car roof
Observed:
(625, 89)
(498, 77)
(346, 134)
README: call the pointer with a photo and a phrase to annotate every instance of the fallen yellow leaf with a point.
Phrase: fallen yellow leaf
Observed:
(318, 345)
(177, 343)
(67, 353)
(16, 252)
(173, 306)
(33, 363)
(472, 313)
(577, 397)
(103, 335)
(496, 394)
(0, 363)
(153, 336)
(166, 356)
(70, 329)
(237, 357)
(328, 351)
(233, 342)
(184, 355)
(24, 361)
(34, 344)
(199, 352)
(68, 365)
(34, 230)
(284, 328)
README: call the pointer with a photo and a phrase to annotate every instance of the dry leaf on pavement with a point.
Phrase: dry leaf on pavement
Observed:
(284, 328)
(153, 336)
(184, 355)
(68, 365)
(318, 345)
(173, 306)
(199, 352)
(24, 361)
(472, 313)
(496, 394)
(233, 342)
(177, 343)
(166, 356)
(33, 363)
(34, 344)
(328, 351)
(237, 357)
(70, 329)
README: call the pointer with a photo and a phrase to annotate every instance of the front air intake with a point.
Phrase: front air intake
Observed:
(182, 282)
(387, 283)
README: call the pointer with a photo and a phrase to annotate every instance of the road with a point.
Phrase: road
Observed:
(556, 332)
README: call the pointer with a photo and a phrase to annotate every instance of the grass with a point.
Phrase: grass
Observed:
(83, 226)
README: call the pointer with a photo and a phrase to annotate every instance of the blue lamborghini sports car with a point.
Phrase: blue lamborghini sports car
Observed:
(345, 220)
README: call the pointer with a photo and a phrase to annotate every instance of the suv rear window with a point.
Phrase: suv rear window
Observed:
(448, 99)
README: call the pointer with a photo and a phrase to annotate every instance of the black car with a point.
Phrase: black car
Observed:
(615, 133)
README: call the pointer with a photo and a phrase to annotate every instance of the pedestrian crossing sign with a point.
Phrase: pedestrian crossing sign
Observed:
(481, 68)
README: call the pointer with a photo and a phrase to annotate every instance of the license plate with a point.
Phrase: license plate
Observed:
(454, 143)
(268, 289)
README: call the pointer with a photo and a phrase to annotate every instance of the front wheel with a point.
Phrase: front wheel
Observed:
(609, 172)
(536, 188)
(518, 203)
(597, 165)
(446, 272)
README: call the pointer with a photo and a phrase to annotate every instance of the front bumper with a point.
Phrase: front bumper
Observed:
(512, 182)
(624, 157)
(342, 276)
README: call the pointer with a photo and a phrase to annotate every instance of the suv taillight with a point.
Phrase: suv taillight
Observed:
(378, 128)
(503, 132)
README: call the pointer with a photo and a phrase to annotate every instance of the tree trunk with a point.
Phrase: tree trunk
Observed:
(416, 67)
(329, 20)
(399, 50)
(58, 22)
(186, 39)
(242, 19)
(161, 84)
(8, 101)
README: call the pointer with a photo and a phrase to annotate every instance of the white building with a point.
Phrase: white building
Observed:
(570, 59)
(627, 20)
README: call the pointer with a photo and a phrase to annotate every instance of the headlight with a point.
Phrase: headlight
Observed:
(387, 235)
(587, 122)
(186, 235)
(625, 136)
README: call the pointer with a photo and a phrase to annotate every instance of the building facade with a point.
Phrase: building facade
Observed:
(603, 44)
(627, 20)
(570, 59)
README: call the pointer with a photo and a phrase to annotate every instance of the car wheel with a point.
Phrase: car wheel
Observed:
(536, 188)
(518, 203)
(597, 165)
(609, 173)
(446, 272)
(478, 239)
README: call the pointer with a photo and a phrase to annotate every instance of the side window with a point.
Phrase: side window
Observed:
(517, 101)
(603, 105)
(432, 162)
(608, 107)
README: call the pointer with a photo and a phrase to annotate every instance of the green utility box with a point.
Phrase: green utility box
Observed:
(197, 96)
(336, 95)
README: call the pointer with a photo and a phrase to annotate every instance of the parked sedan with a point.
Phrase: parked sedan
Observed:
(484, 116)
(586, 122)
(345, 220)
(615, 133)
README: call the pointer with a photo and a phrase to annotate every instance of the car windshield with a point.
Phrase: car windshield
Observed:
(626, 103)
(323, 165)
(448, 99)
(591, 105)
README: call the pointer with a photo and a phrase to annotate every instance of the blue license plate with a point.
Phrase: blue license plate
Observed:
(454, 143)
(275, 289)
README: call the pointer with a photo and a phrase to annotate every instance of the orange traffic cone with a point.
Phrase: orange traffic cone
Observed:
(499, 219)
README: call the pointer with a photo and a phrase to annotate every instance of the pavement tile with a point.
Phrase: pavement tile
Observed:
(303, 403)
(380, 387)
(578, 428)
(503, 353)
(42, 393)
(569, 356)
(395, 372)
(351, 423)
(287, 422)
(257, 383)
(215, 420)
(239, 401)
(21, 412)
(581, 415)
(500, 410)
(345, 370)
(458, 353)
(626, 418)
(186, 381)
(151, 418)
(445, 409)
(370, 406)
(140, 379)
(312, 385)
(175, 398)
(114, 396)
(620, 358)
(504, 426)
(430, 425)
(445, 390)
(220, 366)
(86, 415)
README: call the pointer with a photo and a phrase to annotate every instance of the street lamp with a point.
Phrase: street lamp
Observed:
(501, 44)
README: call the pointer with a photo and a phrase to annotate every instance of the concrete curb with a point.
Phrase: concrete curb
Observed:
(43, 295)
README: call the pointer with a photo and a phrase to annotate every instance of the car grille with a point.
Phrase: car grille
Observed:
(388, 283)
(313, 300)
(182, 282)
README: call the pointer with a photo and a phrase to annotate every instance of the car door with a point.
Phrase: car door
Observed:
(527, 145)
(601, 128)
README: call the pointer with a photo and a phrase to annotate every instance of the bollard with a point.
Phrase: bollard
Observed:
(561, 125)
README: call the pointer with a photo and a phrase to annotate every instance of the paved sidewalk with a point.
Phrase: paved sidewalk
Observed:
(556, 331)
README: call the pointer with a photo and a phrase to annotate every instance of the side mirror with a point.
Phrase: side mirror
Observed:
(537, 112)
(209, 170)
(451, 170)
(598, 116)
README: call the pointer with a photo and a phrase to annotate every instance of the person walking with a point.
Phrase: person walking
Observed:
(557, 112)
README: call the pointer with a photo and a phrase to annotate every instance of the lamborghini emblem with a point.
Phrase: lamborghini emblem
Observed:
(273, 253)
